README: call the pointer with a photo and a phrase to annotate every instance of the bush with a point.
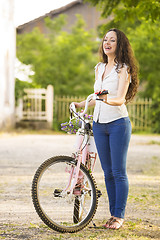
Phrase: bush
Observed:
(155, 113)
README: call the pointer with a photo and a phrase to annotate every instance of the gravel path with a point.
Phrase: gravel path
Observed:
(20, 155)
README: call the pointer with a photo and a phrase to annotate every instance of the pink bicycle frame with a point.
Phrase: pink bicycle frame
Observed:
(85, 148)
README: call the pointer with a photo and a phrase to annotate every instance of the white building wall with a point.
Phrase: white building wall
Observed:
(7, 58)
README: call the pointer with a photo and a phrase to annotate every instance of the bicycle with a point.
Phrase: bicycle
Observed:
(64, 192)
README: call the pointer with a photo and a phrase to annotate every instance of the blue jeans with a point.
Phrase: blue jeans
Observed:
(112, 140)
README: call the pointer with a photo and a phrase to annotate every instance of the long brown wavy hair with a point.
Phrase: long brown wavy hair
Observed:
(124, 55)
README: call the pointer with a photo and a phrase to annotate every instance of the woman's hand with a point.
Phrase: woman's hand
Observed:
(82, 104)
(77, 105)
(103, 96)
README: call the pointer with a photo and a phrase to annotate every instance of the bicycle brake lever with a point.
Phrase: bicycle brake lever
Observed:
(99, 99)
(102, 93)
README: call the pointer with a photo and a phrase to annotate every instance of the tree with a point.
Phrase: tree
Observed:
(65, 60)
(146, 44)
(129, 9)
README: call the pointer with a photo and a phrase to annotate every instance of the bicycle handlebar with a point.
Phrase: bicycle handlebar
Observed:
(102, 93)
(89, 98)
(73, 108)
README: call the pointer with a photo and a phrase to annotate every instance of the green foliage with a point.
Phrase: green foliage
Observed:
(156, 115)
(146, 45)
(19, 88)
(55, 26)
(145, 40)
(64, 60)
(129, 9)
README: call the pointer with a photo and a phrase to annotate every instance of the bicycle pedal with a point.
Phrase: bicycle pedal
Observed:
(57, 193)
(99, 193)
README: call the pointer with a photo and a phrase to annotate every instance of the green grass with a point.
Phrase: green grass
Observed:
(14, 132)
(152, 169)
(144, 193)
(145, 197)
(136, 229)
(154, 142)
(146, 133)
(24, 131)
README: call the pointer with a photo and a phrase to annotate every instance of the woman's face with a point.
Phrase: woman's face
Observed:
(110, 43)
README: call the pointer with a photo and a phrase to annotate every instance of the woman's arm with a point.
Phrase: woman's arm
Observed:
(82, 104)
(124, 80)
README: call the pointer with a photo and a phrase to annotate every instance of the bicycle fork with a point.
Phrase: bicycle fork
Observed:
(75, 173)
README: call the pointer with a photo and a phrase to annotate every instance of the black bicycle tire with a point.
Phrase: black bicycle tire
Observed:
(37, 206)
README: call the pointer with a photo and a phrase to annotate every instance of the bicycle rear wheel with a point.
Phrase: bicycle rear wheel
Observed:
(61, 210)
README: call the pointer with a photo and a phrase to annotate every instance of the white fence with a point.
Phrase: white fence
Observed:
(139, 111)
(36, 105)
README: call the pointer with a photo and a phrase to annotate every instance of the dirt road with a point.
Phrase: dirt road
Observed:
(20, 155)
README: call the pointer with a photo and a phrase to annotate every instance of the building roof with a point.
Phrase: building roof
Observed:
(51, 13)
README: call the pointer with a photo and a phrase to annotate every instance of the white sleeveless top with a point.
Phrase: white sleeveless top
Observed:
(105, 113)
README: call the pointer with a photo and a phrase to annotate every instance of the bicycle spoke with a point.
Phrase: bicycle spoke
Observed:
(58, 208)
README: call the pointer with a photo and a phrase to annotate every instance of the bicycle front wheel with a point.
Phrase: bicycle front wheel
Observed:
(61, 210)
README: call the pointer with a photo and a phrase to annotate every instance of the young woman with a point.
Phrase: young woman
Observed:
(117, 72)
